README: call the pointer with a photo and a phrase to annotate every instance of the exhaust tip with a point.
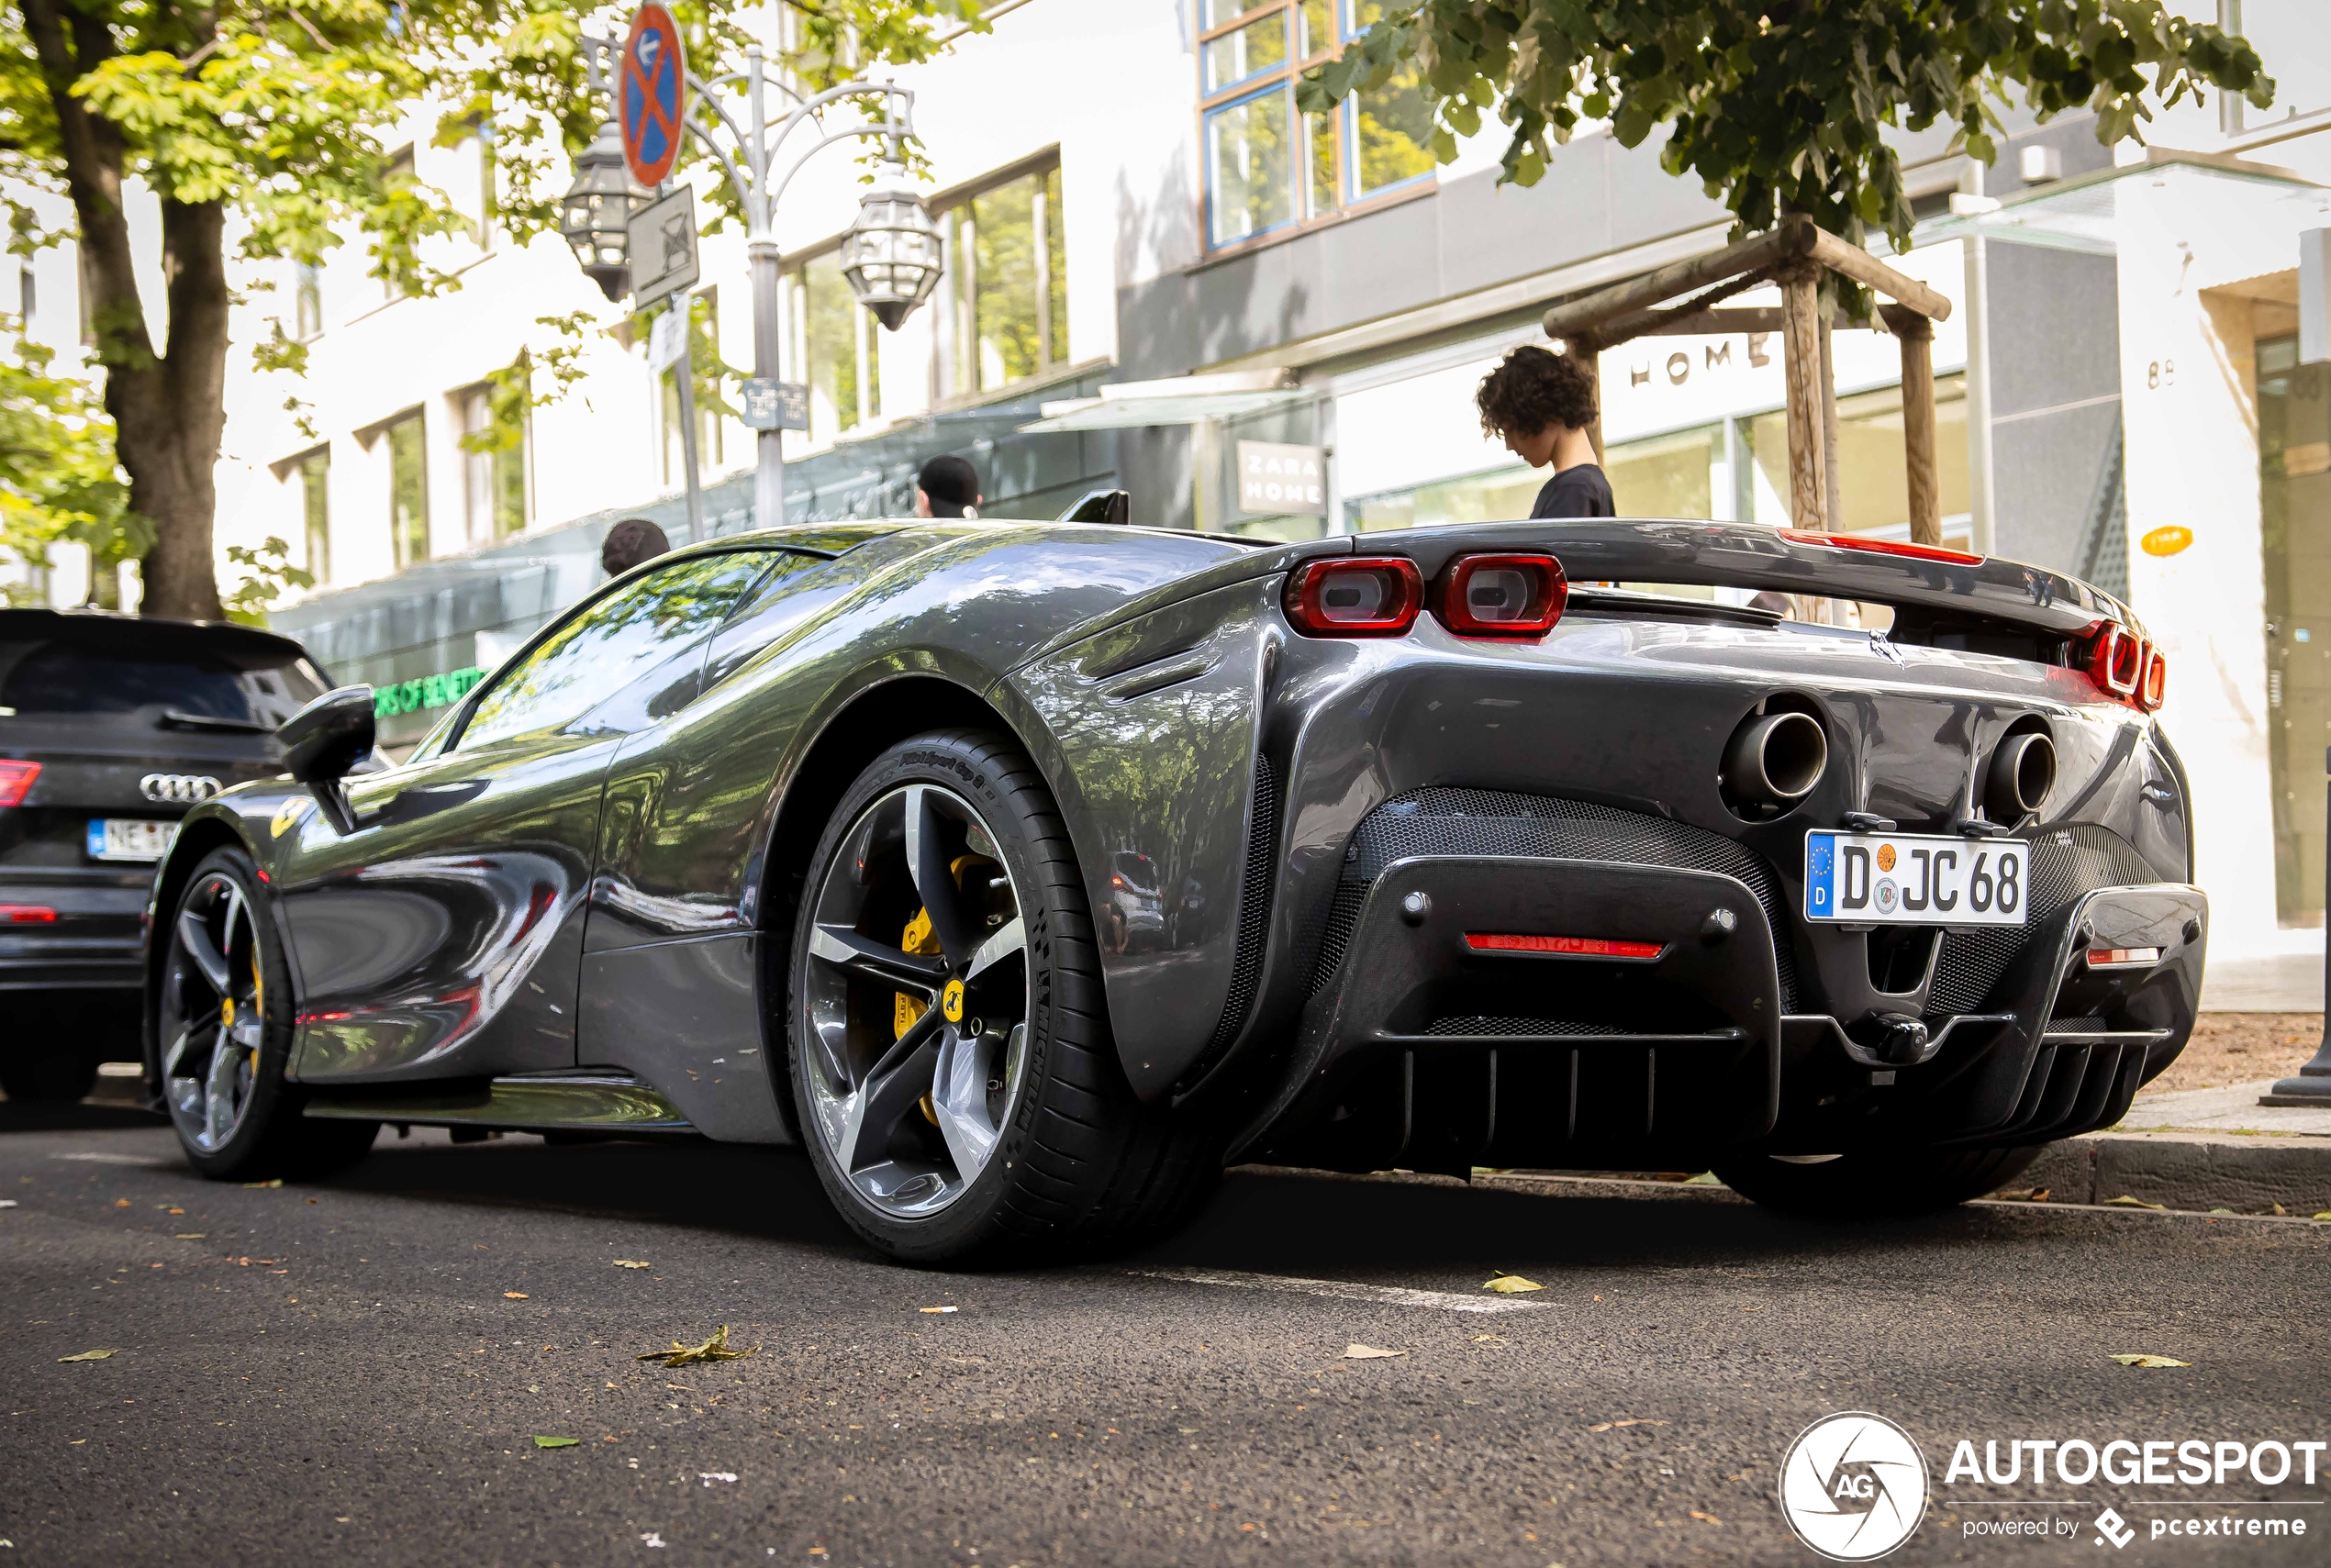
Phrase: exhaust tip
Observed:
(2022, 773)
(1775, 760)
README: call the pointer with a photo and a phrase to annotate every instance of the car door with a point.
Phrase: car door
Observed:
(442, 938)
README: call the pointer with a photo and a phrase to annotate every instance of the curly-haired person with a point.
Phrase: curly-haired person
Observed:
(1541, 404)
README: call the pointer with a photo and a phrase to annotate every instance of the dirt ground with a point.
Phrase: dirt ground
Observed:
(2242, 1048)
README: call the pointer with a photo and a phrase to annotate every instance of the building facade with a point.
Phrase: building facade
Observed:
(1155, 259)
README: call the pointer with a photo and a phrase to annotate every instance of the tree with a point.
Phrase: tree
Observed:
(1784, 104)
(58, 478)
(260, 125)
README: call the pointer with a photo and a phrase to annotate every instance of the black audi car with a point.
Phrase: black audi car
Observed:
(112, 727)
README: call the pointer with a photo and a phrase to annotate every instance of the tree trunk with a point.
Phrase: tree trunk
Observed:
(169, 411)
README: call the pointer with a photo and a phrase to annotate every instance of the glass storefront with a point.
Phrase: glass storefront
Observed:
(2295, 494)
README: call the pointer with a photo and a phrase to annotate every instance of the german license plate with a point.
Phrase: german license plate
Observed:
(125, 839)
(1898, 879)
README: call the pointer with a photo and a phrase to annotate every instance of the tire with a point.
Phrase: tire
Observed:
(223, 1019)
(1875, 1183)
(60, 1077)
(1028, 1142)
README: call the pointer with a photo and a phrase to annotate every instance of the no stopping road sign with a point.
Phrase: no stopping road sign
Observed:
(654, 94)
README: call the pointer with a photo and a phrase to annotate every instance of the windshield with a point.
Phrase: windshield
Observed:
(54, 678)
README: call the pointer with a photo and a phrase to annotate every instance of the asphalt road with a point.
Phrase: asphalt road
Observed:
(356, 1372)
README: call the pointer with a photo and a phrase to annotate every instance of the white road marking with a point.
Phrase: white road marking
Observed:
(1346, 1290)
(146, 1160)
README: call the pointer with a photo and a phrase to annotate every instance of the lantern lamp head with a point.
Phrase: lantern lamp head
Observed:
(594, 214)
(892, 256)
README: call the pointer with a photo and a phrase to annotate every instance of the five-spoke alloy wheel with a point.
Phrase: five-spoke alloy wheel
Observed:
(948, 1040)
(223, 1026)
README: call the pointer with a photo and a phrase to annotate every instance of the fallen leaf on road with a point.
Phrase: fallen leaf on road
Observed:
(715, 1349)
(1487, 1340)
(277, 1182)
(1704, 1179)
(1710, 1518)
(2134, 1359)
(121, 1203)
(709, 1476)
(514, 1295)
(2325, 1215)
(632, 1264)
(651, 1538)
(2039, 1194)
(1615, 1426)
(934, 1309)
(542, 1442)
(193, 1236)
(1511, 1285)
(2124, 1201)
(89, 1356)
(1356, 1351)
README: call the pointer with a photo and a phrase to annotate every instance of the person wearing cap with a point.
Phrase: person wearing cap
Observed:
(627, 543)
(948, 486)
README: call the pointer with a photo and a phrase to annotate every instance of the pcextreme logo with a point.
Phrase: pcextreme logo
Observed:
(1853, 1486)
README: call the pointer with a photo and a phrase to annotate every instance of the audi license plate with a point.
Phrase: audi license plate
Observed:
(125, 839)
(1911, 880)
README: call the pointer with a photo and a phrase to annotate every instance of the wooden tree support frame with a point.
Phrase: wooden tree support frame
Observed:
(1794, 253)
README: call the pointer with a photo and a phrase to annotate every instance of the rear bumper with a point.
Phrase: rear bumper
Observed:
(97, 939)
(1427, 1053)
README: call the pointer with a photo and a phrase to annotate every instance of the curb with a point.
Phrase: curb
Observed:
(2189, 1170)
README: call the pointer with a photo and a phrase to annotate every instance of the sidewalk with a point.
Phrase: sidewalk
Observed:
(2202, 1149)
(2281, 971)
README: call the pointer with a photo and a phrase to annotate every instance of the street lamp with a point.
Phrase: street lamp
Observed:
(597, 209)
(892, 255)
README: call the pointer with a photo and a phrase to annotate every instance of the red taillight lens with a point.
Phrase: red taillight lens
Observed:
(1882, 547)
(1574, 946)
(1501, 596)
(27, 915)
(2115, 661)
(2153, 687)
(15, 778)
(1359, 596)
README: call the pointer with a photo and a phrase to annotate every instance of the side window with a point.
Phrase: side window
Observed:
(795, 589)
(606, 647)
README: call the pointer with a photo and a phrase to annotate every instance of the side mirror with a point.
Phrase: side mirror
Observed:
(1111, 507)
(324, 742)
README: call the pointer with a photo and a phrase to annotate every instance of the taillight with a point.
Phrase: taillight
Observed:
(15, 779)
(1569, 947)
(2116, 662)
(27, 915)
(1501, 596)
(2153, 687)
(1357, 596)
(1882, 547)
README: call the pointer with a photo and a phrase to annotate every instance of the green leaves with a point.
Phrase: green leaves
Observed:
(1788, 107)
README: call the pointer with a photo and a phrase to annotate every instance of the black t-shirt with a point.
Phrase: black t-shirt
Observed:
(1581, 492)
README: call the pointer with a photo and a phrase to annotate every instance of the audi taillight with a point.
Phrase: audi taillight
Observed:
(1882, 547)
(1501, 596)
(2153, 687)
(1357, 597)
(2116, 662)
(15, 779)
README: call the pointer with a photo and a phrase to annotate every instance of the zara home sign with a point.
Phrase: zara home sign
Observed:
(1282, 481)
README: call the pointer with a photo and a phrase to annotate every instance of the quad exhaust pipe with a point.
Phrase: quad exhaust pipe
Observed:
(2022, 773)
(1775, 760)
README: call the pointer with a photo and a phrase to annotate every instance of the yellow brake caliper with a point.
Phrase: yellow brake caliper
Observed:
(922, 940)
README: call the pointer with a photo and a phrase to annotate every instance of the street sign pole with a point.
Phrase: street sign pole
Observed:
(670, 347)
(762, 264)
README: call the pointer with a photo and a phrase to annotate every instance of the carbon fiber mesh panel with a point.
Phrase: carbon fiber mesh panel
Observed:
(2066, 863)
(1536, 826)
(1253, 909)
(1516, 1027)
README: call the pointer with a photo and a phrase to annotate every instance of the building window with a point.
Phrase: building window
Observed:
(408, 489)
(316, 512)
(495, 428)
(307, 300)
(704, 359)
(1269, 167)
(831, 345)
(1007, 315)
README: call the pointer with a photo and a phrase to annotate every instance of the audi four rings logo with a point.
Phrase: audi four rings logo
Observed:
(185, 788)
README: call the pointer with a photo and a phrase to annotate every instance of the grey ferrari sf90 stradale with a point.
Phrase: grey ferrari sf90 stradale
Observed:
(1025, 875)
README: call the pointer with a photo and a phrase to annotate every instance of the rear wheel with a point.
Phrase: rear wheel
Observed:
(949, 1051)
(224, 1021)
(1872, 1183)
